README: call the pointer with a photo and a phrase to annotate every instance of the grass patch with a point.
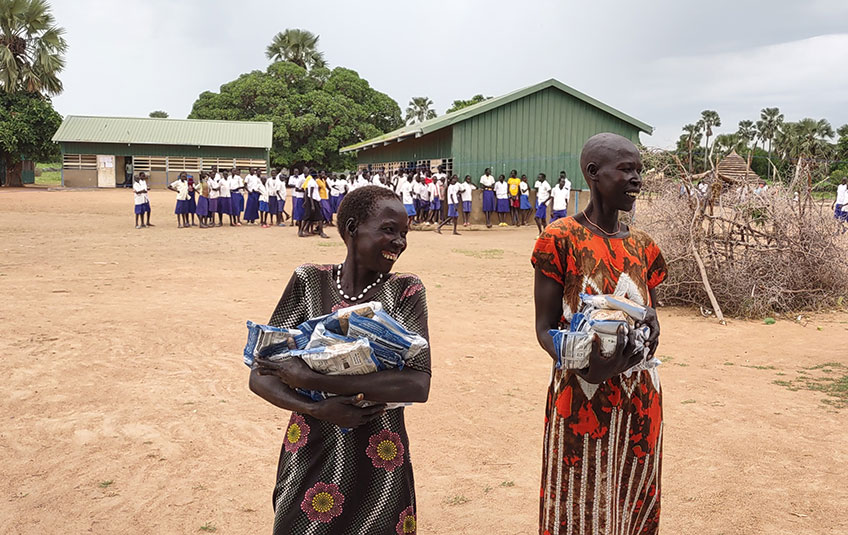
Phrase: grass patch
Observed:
(208, 527)
(49, 178)
(728, 364)
(508, 484)
(330, 244)
(757, 367)
(459, 499)
(687, 401)
(486, 254)
(830, 378)
(105, 484)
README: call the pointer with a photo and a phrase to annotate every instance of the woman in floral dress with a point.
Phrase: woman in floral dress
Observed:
(331, 481)
(603, 424)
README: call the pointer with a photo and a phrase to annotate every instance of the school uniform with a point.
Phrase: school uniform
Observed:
(324, 194)
(489, 204)
(543, 193)
(203, 200)
(224, 197)
(841, 202)
(281, 195)
(524, 196)
(424, 195)
(236, 198)
(466, 189)
(407, 197)
(251, 207)
(142, 202)
(502, 195)
(335, 193)
(435, 197)
(262, 189)
(299, 197)
(182, 196)
(312, 201)
(272, 186)
(192, 204)
(560, 203)
(453, 200)
(214, 193)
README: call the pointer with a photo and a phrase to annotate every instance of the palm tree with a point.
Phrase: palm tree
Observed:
(813, 136)
(31, 48)
(692, 137)
(772, 121)
(420, 109)
(709, 119)
(747, 133)
(297, 46)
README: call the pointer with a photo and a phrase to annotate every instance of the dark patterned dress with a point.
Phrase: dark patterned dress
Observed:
(334, 483)
(602, 453)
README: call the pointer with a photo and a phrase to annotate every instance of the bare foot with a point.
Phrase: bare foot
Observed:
(438, 230)
(455, 233)
(324, 236)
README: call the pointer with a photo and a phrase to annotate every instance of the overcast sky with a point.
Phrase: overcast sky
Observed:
(661, 61)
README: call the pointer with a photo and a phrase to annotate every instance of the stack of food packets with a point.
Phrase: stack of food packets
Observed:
(356, 340)
(601, 316)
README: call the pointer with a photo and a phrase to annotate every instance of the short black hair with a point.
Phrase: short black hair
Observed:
(359, 205)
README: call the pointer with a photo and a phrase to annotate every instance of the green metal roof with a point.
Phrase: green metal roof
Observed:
(150, 131)
(431, 125)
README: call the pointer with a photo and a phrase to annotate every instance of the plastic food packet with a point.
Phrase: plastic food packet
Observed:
(393, 345)
(337, 322)
(263, 340)
(308, 326)
(615, 302)
(323, 337)
(345, 358)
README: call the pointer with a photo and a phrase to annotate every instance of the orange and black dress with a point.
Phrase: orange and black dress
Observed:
(601, 459)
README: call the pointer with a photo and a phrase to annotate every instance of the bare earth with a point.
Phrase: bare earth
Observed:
(125, 404)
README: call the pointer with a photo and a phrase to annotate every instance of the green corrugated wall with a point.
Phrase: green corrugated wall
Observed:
(435, 145)
(540, 133)
(120, 149)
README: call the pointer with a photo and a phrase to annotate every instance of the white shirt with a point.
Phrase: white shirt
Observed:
(543, 191)
(214, 187)
(182, 189)
(312, 189)
(434, 190)
(453, 194)
(138, 187)
(281, 191)
(272, 185)
(333, 185)
(236, 182)
(524, 188)
(405, 191)
(560, 195)
(263, 192)
(842, 194)
(225, 186)
(466, 189)
(298, 185)
(502, 190)
(424, 192)
(375, 180)
(361, 181)
(487, 180)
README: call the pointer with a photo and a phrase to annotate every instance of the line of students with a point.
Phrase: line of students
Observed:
(512, 196)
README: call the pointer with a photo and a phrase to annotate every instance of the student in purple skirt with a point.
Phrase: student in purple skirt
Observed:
(213, 179)
(465, 190)
(251, 208)
(142, 202)
(236, 196)
(324, 192)
(180, 186)
(273, 202)
(264, 207)
(203, 202)
(502, 196)
(192, 203)
(453, 203)
(225, 205)
(524, 200)
(487, 184)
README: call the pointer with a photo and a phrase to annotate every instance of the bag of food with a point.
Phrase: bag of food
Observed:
(264, 340)
(337, 322)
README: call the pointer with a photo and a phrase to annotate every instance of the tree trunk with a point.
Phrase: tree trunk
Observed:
(14, 172)
(768, 175)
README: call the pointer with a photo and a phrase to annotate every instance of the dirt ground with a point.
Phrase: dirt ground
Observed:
(125, 404)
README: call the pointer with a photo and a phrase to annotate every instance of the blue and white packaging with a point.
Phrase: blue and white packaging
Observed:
(264, 340)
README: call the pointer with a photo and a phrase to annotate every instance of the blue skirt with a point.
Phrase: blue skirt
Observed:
(525, 203)
(202, 206)
(326, 209)
(542, 211)
(410, 209)
(213, 205)
(297, 211)
(452, 210)
(436, 204)
(251, 209)
(142, 208)
(281, 206)
(192, 205)
(489, 201)
(237, 203)
(558, 214)
(335, 201)
(273, 204)
(466, 207)
(263, 206)
(181, 207)
(503, 206)
(224, 205)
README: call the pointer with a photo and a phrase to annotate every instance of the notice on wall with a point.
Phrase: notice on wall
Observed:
(106, 161)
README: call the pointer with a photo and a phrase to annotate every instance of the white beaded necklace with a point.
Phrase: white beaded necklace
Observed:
(360, 296)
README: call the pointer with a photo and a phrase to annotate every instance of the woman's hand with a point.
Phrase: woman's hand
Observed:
(292, 371)
(343, 412)
(653, 323)
(623, 358)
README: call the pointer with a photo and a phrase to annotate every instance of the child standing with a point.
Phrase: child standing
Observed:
(453, 203)
(543, 199)
(560, 195)
(281, 200)
(214, 181)
(192, 203)
(180, 185)
(273, 202)
(502, 196)
(487, 183)
(524, 196)
(514, 184)
(225, 199)
(262, 188)
(466, 190)
(142, 202)
(435, 187)
(203, 201)
(236, 197)
(406, 192)
(251, 207)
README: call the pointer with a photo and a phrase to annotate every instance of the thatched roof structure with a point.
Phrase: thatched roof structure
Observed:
(734, 169)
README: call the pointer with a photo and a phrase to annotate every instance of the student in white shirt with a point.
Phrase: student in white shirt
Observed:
(434, 189)
(524, 199)
(264, 208)
(225, 205)
(560, 194)
(251, 207)
(335, 185)
(282, 215)
(424, 192)
(236, 196)
(214, 183)
(841, 201)
(487, 184)
(466, 190)
(142, 202)
(502, 196)
(313, 214)
(453, 204)
(543, 199)
(180, 185)
(273, 186)
(297, 196)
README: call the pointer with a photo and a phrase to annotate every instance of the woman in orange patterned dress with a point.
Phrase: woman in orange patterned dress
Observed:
(603, 423)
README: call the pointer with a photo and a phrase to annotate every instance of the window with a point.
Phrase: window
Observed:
(79, 161)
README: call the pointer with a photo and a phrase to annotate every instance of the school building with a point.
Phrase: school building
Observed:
(538, 129)
(106, 151)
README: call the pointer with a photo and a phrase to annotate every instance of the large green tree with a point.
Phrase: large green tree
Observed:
(27, 124)
(419, 110)
(297, 46)
(314, 112)
(159, 114)
(459, 104)
(31, 48)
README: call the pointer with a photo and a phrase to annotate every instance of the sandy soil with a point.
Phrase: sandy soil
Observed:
(125, 404)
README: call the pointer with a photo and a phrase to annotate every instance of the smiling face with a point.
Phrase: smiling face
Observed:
(378, 241)
(612, 166)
